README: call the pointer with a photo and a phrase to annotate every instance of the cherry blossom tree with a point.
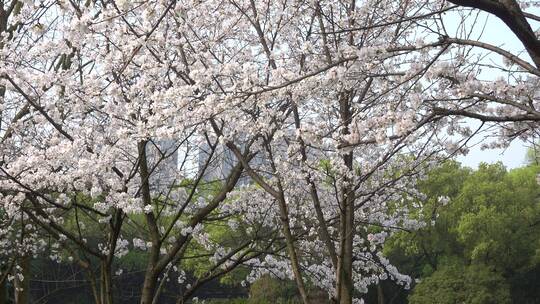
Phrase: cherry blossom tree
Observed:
(339, 99)
(347, 110)
(331, 109)
(79, 121)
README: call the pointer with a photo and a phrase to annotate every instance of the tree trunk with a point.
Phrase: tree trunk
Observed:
(22, 287)
(149, 286)
(345, 267)
(380, 293)
(93, 285)
(3, 292)
(345, 285)
(324, 235)
(106, 290)
(295, 263)
(151, 275)
(289, 239)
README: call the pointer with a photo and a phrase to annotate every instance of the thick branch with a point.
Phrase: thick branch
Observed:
(512, 15)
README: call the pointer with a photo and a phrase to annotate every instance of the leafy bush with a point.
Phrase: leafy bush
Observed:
(227, 301)
(270, 290)
(475, 284)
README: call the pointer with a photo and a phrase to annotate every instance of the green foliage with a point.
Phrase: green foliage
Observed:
(498, 212)
(133, 260)
(228, 301)
(268, 290)
(417, 253)
(485, 237)
(533, 155)
(475, 284)
(198, 262)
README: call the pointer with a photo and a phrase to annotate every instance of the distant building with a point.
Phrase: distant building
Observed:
(222, 163)
(168, 171)
(163, 164)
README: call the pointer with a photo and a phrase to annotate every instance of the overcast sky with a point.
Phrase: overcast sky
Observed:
(512, 157)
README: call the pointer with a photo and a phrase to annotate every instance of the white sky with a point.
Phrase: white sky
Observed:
(511, 157)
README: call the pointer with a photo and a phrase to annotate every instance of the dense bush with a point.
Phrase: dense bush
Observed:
(475, 284)
(267, 290)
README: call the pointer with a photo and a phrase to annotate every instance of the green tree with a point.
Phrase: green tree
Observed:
(482, 238)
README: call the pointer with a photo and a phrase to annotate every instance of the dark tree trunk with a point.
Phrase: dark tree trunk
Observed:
(3, 292)
(22, 287)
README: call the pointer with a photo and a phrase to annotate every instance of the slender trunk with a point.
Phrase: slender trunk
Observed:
(345, 285)
(295, 263)
(286, 229)
(3, 292)
(22, 287)
(174, 261)
(159, 289)
(345, 269)
(284, 214)
(324, 235)
(93, 285)
(151, 274)
(150, 277)
(380, 293)
(106, 290)
(149, 285)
